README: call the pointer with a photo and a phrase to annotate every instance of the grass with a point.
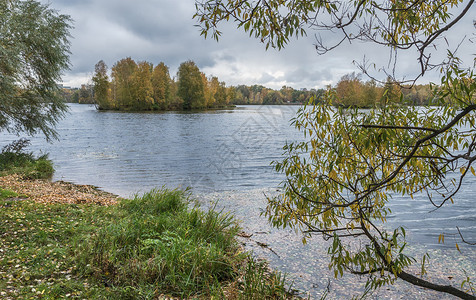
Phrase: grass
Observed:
(5, 194)
(151, 246)
(13, 160)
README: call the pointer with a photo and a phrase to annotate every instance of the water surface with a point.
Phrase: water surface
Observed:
(224, 156)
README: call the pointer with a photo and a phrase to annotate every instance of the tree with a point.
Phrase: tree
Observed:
(392, 91)
(231, 94)
(208, 90)
(161, 84)
(86, 94)
(350, 90)
(372, 93)
(341, 178)
(123, 82)
(142, 90)
(220, 95)
(101, 86)
(34, 50)
(190, 85)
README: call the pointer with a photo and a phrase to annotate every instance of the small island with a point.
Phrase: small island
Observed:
(144, 87)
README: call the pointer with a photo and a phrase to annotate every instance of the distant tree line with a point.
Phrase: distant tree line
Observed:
(142, 86)
(258, 94)
(82, 95)
(352, 91)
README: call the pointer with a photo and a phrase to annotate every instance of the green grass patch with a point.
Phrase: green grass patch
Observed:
(13, 160)
(5, 194)
(153, 245)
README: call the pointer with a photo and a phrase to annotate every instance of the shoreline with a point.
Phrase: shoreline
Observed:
(45, 191)
(48, 192)
(41, 193)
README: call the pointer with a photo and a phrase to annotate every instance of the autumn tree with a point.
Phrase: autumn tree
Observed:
(101, 86)
(287, 93)
(350, 91)
(190, 86)
(86, 94)
(392, 91)
(208, 90)
(231, 94)
(371, 93)
(142, 90)
(175, 101)
(242, 95)
(34, 51)
(161, 85)
(215, 93)
(220, 95)
(420, 94)
(342, 177)
(123, 82)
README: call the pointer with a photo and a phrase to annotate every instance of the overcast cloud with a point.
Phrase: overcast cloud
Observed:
(163, 30)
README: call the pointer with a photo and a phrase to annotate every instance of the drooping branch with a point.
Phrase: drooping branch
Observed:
(462, 238)
(411, 278)
(436, 287)
(417, 145)
(436, 34)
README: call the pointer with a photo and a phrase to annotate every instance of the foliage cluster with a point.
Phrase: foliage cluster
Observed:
(340, 179)
(34, 52)
(351, 90)
(144, 248)
(70, 95)
(141, 86)
(14, 160)
(258, 94)
(83, 95)
(5, 194)
(193, 90)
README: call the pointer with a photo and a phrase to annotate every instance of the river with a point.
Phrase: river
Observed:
(224, 156)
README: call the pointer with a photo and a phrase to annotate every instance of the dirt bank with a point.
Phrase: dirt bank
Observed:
(45, 191)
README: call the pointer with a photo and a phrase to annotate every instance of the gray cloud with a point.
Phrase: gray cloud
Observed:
(164, 31)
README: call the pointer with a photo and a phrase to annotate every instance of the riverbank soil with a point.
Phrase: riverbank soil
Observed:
(44, 191)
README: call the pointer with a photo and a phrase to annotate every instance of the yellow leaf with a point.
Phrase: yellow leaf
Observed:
(472, 171)
(457, 247)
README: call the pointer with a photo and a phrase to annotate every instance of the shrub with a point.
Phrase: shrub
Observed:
(13, 159)
(163, 243)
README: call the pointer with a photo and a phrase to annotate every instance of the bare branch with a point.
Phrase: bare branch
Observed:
(462, 238)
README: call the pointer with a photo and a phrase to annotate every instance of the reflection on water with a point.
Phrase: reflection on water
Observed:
(306, 265)
(208, 151)
(225, 156)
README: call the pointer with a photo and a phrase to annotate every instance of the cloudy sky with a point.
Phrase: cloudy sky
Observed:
(163, 30)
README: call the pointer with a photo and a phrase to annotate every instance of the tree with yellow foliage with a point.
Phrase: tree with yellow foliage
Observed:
(340, 180)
